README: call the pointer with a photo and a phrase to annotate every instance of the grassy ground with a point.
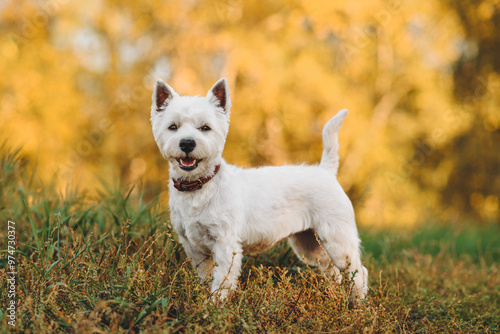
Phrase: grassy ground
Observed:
(111, 264)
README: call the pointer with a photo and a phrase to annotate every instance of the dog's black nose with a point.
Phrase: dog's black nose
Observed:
(187, 145)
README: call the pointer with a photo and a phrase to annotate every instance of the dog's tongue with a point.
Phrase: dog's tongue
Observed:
(187, 161)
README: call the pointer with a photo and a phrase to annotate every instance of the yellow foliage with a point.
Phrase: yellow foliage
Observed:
(77, 80)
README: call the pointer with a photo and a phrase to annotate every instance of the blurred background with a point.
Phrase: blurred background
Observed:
(421, 81)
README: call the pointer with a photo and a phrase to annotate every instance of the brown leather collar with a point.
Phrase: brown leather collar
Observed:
(194, 185)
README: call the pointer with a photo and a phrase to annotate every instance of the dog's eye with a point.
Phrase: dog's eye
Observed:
(172, 127)
(205, 128)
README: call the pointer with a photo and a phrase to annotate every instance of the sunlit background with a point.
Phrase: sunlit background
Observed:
(421, 80)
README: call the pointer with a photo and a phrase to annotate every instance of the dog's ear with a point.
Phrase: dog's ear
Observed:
(162, 94)
(219, 95)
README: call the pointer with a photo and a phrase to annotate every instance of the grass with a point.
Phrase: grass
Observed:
(111, 263)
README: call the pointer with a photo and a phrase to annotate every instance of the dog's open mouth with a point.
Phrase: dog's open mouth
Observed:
(188, 163)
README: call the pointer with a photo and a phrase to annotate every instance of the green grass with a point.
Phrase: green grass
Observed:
(111, 263)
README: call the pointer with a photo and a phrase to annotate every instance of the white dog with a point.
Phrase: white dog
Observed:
(221, 212)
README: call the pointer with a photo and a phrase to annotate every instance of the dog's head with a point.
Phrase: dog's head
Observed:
(191, 130)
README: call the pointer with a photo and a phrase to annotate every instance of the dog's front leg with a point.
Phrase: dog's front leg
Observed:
(200, 261)
(227, 259)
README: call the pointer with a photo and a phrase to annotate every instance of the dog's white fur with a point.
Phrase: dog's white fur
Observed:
(243, 211)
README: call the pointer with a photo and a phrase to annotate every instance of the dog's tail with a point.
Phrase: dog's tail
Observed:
(330, 158)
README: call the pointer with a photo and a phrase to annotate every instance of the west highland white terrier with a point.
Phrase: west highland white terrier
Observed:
(221, 212)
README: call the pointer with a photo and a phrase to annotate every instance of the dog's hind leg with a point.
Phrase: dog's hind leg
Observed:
(341, 243)
(306, 247)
